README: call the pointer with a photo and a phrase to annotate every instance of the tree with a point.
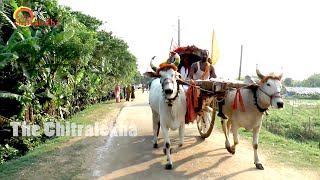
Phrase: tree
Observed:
(72, 65)
(46, 69)
(288, 82)
(314, 80)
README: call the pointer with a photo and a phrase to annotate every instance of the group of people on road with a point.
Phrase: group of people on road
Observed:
(128, 92)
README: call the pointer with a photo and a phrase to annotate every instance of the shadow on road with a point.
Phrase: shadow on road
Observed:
(145, 162)
(236, 173)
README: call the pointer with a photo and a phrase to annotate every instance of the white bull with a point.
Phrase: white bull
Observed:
(256, 101)
(167, 100)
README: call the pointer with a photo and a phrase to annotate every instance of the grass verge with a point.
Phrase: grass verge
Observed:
(286, 151)
(88, 116)
(282, 150)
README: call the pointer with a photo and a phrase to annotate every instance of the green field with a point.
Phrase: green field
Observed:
(299, 120)
(287, 151)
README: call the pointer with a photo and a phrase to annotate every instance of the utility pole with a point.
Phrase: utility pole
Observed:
(178, 31)
(240, 63)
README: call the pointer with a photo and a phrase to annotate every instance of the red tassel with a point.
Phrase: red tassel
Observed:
(235, 101)
(195, 95)
(192, 103)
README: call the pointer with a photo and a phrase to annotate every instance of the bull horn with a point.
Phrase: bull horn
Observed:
(153, 67)
(280, 76)
(259, 73)
(176, 59)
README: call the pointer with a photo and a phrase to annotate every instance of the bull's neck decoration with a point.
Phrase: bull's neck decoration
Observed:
(255, 98)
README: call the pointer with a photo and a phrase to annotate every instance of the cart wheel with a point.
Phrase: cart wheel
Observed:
(206, 119)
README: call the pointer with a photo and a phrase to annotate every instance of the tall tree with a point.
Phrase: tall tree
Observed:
(288, 82)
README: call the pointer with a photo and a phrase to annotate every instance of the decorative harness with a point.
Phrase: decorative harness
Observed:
(168, 64)
(256, 100)
(274, 95)
(170, 101)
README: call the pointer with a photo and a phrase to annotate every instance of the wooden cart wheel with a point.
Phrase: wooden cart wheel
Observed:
(205, 121)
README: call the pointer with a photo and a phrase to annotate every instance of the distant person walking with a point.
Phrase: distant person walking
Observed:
(117, 90)
(124, 92)
(132, 93)
(128, 92)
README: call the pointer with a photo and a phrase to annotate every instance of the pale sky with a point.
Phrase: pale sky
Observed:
(274, 33)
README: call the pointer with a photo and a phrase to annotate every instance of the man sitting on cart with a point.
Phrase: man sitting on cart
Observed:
(203, 70)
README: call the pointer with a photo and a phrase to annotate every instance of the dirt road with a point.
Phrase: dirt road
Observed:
(133, 157)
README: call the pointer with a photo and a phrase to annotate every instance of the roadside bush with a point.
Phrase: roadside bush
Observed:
(7, 153)
(315, 96)
(49, 73)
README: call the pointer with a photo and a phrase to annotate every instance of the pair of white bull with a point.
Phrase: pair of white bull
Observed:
(168, 103)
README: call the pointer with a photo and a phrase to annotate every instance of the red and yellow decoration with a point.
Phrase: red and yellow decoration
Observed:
(164, 66)
(173, 63)
(21, 20)
(264, 79)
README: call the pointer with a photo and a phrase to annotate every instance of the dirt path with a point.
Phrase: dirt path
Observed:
(133, 157)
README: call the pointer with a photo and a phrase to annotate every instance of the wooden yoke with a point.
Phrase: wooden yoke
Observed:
(217, 86)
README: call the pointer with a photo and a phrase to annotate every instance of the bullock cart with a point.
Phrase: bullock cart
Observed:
(210, 91)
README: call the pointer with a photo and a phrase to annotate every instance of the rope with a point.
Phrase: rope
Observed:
(180, 81)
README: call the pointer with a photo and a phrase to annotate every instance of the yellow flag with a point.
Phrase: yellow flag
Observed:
(215, 52)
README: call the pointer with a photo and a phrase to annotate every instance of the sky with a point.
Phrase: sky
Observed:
(275, 34)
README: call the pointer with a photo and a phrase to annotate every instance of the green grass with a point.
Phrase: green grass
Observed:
(89, 115)
(300, 122)
(16, 165)
(279, 149)
(287, 151)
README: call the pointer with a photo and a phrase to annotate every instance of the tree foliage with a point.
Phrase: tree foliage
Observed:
(49, 72)
(288, 82)
(312, 81)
